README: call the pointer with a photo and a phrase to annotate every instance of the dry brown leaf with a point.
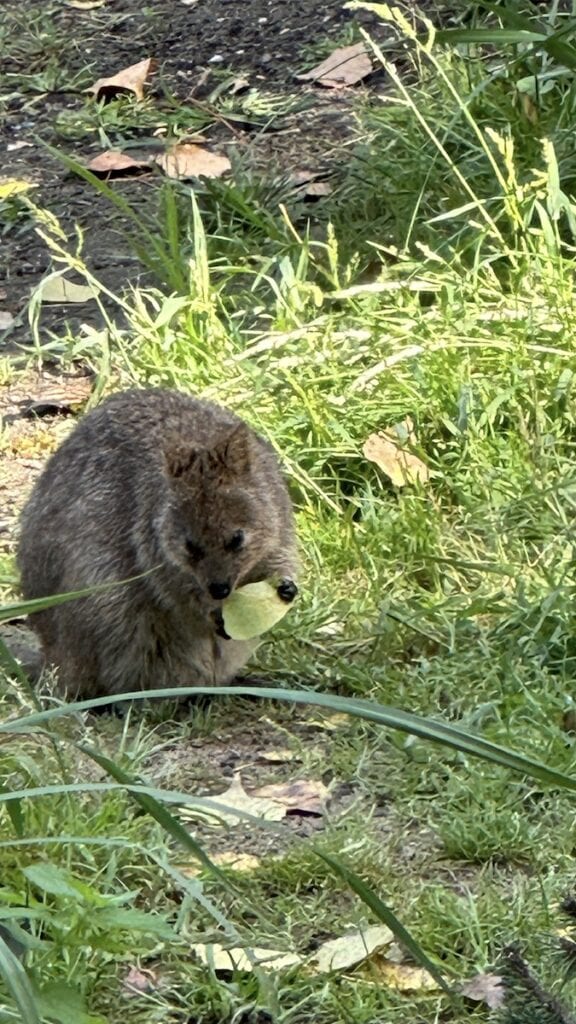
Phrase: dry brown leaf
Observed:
(346, 66)
(113, 162)
(316, 189)
(21, 144)
(59, 289)
(386, 449)
(280, 756)
(403, 977)
(221, 959)
(237, 797)
(305, 796)
(6, 320)
(351, 949)
(485, 988)
(226, 859)
(137, 982)
(131, 79)
(190, 161)
(329, 723)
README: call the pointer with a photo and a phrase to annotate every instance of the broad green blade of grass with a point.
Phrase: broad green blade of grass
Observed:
(19, 609)
(381, 714)
(383, 912)
(157, 811)
(502, 36)
(18, 983)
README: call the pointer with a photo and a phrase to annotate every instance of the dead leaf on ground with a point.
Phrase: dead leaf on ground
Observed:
(227, 859)
(347, 65)
(6, 320)
(112, 162)
(351, 949)
(236, 797)
(329, 723)
(403, 977)
(221, 959)
(85, 5)
(280, 756)
(304, 796)
(190, 161)
(386, 449)
(21, 144)
(137, 982)
(59, 289)
(485, 988)
(129, 80)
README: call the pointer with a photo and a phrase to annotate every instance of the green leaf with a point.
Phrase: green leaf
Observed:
(65, 1005)
(134, 921)
(18, 984)
(54, 880)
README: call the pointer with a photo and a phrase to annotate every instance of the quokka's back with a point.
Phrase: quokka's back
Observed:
(156, 482)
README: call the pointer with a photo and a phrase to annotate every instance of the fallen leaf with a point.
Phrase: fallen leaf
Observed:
(280, 756)
(485, 988)
(237, 797)
(6, 320)
(227, 859)
(237, 959)
(316, 189)
(13, 146)
(329, 723)
(252, 610)
(345, 66)
(190, 161)
(11, 187)
(303, 796)
(404, 977)
(131, 80)
(137, 982)
(386, 449)
(48, 393)
(85, 5)
(113, 163)
(59, 289)
(351, 949)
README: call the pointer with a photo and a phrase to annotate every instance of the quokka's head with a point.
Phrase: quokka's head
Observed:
(221, 520)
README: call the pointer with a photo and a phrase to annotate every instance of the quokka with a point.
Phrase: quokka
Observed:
(158, 482)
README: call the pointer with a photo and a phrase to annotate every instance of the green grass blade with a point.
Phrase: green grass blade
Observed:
(371, 711)
(156, 810)
(383, 912)
(18, 983)
(497, 36)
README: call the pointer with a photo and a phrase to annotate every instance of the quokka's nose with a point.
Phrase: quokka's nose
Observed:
(219, 590)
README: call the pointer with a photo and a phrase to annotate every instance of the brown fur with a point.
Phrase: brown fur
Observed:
(153, 479)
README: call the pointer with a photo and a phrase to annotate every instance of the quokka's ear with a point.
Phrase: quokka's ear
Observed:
(181, 460)
(234, 452)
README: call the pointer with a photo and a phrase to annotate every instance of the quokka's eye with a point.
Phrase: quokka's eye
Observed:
(195, 552)
(236, 542)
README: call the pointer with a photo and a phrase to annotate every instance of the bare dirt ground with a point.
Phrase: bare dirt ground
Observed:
(46, 72)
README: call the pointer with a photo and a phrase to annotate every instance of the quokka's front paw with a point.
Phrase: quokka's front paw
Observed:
(287, 590)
